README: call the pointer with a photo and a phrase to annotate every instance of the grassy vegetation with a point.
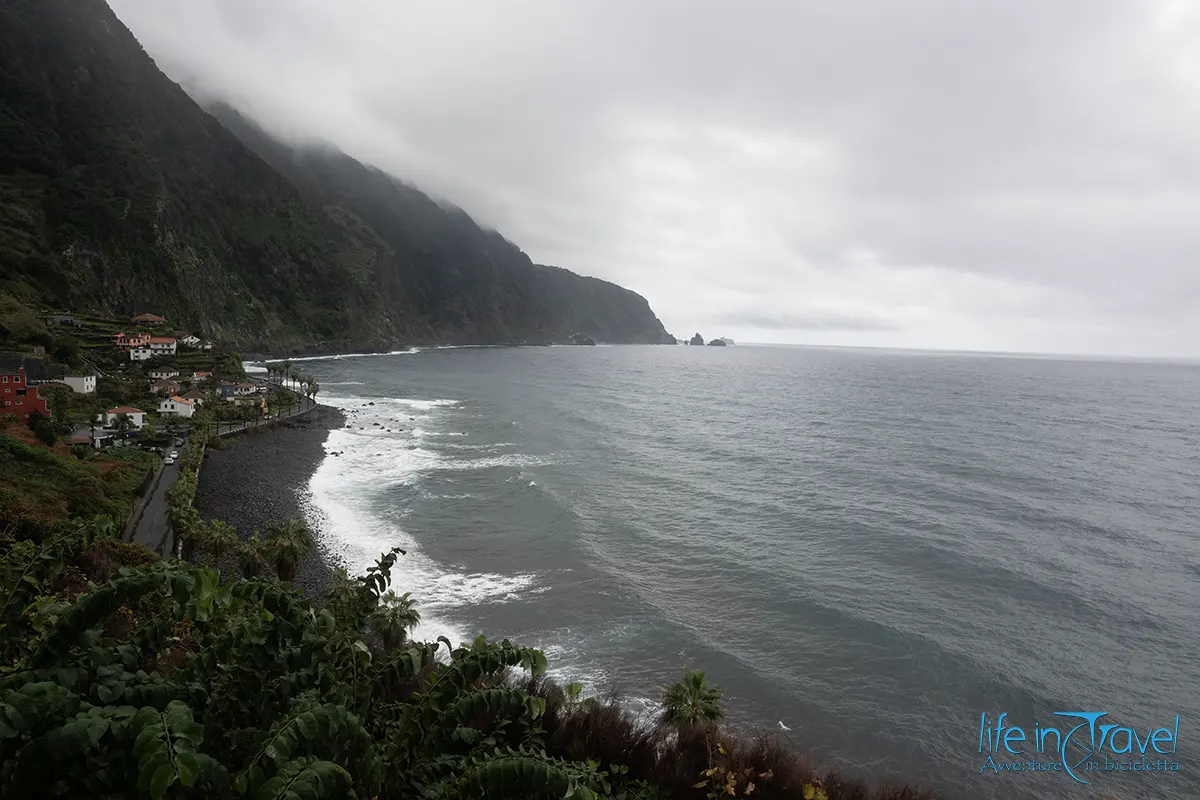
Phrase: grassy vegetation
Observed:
(43, 486)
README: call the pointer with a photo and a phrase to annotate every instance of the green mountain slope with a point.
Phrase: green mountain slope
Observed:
(119, 193)
(452, 277)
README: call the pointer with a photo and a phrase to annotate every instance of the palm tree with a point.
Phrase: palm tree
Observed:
(123, 423)
(251, 556)
(692, 702)
(394, 618)
(218, 538)
(287, 544)
(313, 388)
(287, 367)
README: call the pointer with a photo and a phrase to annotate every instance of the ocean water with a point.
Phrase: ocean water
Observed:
(872, 547)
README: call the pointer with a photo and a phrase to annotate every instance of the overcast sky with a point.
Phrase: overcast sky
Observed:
(1004, 175)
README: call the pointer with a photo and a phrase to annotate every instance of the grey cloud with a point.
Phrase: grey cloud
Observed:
(1004, 174)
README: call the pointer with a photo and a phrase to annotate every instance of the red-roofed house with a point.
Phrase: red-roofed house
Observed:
(162, 345)
(177, 405)
(131, 339)
(201, 376)
(136, 416)
(149, 319)
(18, 397)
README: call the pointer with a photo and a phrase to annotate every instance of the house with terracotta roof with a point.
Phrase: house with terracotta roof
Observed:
(158, 373)
(131, 339)
(136, 416)
(162, 345)
(180, 406)
(18, 397)
(201, 376)
(149, 319)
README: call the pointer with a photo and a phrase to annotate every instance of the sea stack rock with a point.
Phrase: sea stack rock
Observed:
(697, 339)
(717, 343)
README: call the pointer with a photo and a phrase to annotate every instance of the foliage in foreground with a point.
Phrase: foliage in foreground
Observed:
(123, 676)
(163, 681)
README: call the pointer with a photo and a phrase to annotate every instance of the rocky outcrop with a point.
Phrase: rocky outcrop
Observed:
(717, 343)
(584, 339)
(697, 339)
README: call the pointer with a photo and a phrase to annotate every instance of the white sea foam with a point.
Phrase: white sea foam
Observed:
(345, 493)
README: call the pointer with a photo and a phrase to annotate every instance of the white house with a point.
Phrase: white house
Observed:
(82, 384)
(136, 416)
(177, 405)
(162, 345)
(206, 345)
(140, 354)
(190, 340)
(231, 390)
(159, 373)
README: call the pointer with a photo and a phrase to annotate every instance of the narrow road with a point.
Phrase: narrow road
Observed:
(152, 528)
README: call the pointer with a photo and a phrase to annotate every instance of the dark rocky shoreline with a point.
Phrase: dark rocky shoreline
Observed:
(262, 477)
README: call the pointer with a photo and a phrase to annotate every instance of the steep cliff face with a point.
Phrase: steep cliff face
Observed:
(118, 192)
(452, 277)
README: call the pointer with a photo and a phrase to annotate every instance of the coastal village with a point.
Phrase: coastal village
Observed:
(102, 382)
(112, 415)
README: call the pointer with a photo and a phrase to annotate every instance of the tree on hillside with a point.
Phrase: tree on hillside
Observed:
(60, 404)
(42, 428)
(692, 702)
(122, 423)
(66, 350)
(287, 544)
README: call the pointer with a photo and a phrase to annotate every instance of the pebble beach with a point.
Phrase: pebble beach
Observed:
(258, 478)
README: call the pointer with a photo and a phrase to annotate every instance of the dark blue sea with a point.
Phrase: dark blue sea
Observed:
(870, 547)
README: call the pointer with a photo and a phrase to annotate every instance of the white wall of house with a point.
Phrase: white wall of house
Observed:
(162, 348)
(82, 384)
(140, 354)
(164, 373)
(138, 418)
(175, 406)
